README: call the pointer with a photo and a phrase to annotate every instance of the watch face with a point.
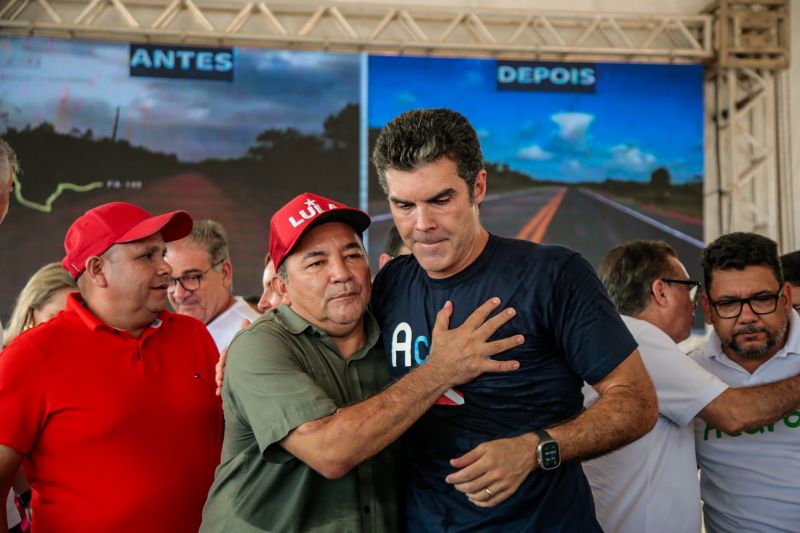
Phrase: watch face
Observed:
(549, 455)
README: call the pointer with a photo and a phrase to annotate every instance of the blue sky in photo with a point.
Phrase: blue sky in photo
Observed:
(78, 85)
(640, 117)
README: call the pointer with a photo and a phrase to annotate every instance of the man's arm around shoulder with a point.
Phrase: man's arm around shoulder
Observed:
(335, 444)
(741, 408)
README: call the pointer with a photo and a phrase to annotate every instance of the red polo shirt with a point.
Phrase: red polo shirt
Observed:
(120, 434)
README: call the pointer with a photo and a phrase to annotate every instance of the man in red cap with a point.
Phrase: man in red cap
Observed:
(307, 418)
(110, 406)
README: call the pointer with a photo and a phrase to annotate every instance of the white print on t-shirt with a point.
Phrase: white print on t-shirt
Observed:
(402, 344)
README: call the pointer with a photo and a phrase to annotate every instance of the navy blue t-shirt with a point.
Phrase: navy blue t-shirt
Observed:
(572, 333)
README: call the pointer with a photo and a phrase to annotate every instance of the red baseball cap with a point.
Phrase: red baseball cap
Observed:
(99, 228)
(304, 212)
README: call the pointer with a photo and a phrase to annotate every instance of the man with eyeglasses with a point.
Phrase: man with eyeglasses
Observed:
(791, 273)
(202, 286)
(749, 479)
(653, 481)
(110, 405)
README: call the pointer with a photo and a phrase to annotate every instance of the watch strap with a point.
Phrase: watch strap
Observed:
(543, 435)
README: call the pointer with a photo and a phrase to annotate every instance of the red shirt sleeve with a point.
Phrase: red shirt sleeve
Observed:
(23, 395)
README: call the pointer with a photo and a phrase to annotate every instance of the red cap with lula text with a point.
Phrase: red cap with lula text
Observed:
(304, 212)
(99, 228)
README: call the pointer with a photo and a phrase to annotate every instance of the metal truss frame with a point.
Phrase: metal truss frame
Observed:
(341, 26)
(743, 140)
(748, 185)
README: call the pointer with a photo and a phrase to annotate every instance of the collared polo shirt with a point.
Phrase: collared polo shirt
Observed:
(119, 434)
(749, 480)
(653, 481)
(283, 372)
(229, 322)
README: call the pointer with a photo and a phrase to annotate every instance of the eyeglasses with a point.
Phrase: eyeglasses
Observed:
(760, 304)
(692, 286)
(190, 282)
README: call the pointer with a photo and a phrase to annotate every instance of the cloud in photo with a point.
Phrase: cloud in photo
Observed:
(534, 153)
(572, 127)
(572, 137)
(631, 158)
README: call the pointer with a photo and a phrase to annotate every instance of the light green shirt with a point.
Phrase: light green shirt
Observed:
(282, 372)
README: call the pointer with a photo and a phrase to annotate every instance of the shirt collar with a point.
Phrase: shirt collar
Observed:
(295, 324)
(76, 305)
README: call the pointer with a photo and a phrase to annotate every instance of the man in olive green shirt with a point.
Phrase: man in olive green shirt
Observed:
(306, 424)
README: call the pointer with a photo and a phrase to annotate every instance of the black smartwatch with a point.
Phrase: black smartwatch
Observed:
(548, 452)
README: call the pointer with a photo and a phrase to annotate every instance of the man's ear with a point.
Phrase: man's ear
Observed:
(479, 188)
(280, 286)
(786, 295)
(706, 303)
(659, 295)
(227, 274)
(95, 272)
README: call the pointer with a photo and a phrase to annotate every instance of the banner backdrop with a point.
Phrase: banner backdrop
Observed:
(585, 155)
(582, 154)
(91, 125)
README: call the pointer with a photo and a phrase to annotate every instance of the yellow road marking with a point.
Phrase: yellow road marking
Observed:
(537, 226)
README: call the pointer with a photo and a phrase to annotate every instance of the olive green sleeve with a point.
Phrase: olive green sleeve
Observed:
(267, 388)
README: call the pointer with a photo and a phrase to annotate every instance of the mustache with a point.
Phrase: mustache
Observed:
(745, 330)
(348, 289)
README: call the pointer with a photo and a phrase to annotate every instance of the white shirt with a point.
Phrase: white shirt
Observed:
(651, 484)
(229, 322)
(750, 482)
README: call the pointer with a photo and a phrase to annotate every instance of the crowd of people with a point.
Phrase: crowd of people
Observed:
(478, 383)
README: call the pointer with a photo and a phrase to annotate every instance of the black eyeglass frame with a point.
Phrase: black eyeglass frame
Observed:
(741, 301)
(694, 286)
(173, 282)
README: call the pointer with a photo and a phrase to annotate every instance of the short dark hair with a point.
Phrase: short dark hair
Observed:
(422, 136)
(739, 250)
(629, 270)
(393, 242)
(791, 267)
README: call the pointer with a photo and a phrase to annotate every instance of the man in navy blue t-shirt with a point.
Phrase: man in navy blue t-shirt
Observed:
(486, 457)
